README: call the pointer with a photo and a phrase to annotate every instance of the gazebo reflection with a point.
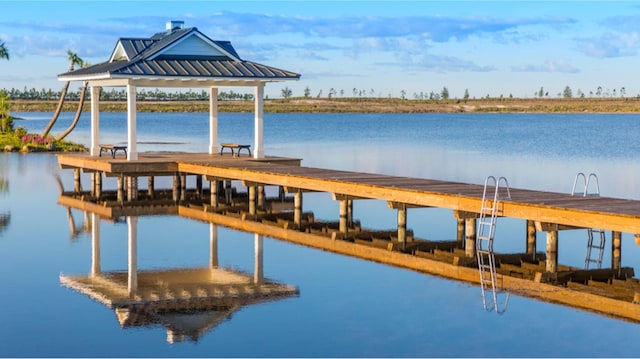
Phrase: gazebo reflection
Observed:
(188, 302)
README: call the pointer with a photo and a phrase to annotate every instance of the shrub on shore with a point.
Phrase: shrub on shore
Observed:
(21, 140)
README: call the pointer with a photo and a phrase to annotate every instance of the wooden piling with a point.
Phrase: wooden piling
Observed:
(213, 185)
(132, 188)
(297, 208)
(120, 191)
(227, 192)
(77, 184)
(176, 187)
(97, 187)
(343, 216)
(552, 252)
(199, 186)
(616, 250)
(150, 186)
(252, 198)
(531, 238)
(183, 187)
(470, 237)
(460, 232)
(261, 195)
(402, 223)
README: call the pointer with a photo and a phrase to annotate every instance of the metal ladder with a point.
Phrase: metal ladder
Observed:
(484, 242)
(595, 237)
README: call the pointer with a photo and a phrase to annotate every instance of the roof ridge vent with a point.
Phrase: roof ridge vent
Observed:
(174, 25)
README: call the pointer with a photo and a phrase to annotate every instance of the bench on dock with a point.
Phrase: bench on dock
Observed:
(113, 149)
(233, 147)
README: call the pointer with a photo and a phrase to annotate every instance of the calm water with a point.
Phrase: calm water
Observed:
(347, 307)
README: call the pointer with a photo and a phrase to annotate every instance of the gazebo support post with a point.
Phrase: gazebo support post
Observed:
(95, 121)
(259, 119)
(213, 120)
(132, 153)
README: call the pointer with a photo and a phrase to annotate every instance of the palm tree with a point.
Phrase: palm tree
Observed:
(4, 53)
(83, 93)
(73, 60)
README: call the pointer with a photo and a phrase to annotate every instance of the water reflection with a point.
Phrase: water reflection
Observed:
(188, 302)
(5, 216)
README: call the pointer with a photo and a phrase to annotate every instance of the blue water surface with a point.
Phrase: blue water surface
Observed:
(347, 307)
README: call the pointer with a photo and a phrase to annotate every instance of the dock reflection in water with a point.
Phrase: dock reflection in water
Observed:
(189, 302)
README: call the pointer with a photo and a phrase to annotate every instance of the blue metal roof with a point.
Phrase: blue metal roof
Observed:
(157, 57)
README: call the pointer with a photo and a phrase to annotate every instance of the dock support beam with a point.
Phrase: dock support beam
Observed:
(132, 188)
(77, 184)
(402, 223)
(460, 232)
(150, 186)
(176, 186)
(531, 239)
(261, 197)
(344, 208)
(199, 186)
(95, 121)
(616, 250)
(552, 252)
(470, 237)
(183, 187)
(96, 188)
(213, 185)
(120, 192)
(297, 208)
(252, 198)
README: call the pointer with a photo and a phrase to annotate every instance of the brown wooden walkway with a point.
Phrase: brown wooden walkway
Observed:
(615, 214)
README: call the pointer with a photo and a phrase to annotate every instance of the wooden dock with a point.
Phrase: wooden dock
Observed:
(531, 274)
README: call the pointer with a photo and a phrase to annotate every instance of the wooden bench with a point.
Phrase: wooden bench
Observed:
(233, 147)
(113, 149)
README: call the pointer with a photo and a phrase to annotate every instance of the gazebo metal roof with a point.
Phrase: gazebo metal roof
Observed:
(176, 58)
(178, 53)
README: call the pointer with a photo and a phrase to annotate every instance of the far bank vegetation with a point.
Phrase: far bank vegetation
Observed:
(335, 101)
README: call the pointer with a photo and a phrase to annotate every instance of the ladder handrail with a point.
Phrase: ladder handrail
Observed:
(586, 181)
(488, 271)
(601, 238)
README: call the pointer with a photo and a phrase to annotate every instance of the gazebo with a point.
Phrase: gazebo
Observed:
(176, 58)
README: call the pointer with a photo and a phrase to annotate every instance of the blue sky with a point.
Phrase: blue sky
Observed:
(379, 47)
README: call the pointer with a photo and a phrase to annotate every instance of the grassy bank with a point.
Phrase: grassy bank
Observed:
(360, 105)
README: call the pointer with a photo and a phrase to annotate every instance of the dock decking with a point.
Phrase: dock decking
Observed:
(549, 211)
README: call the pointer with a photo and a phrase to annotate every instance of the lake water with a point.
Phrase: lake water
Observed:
(346, 307)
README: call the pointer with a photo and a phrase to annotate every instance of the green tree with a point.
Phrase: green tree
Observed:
(567, 93)
(6, 121)
(307, 92)
(444, 93)
(541, 92)
(4, 52)
(73, 61)
(466, 94)
(286, 92)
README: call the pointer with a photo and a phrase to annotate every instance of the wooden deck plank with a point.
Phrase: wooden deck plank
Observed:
(616, 214)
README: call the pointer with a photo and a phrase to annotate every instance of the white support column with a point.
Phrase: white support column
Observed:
(95, 245)
(95, 121)
(258, 268)
(213, 120)
(213, 245)
(258, 123)
(132, 149)
(132, 223)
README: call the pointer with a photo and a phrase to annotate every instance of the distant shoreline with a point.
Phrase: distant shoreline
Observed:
(360, 105)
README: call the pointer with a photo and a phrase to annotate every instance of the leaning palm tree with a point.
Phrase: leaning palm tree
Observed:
(73, 61)
(4, 53)
(83, 93)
